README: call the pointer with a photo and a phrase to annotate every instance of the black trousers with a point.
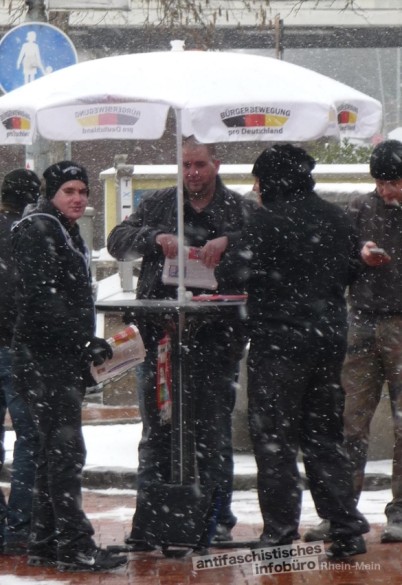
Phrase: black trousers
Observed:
(3, 505)
(53, 387)
(296, 402)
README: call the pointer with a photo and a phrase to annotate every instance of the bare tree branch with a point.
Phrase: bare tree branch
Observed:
(202, 13)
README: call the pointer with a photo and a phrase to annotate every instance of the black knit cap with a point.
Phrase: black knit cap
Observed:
(20, 187)
(62, 172)
(284, 168)
(386, 161)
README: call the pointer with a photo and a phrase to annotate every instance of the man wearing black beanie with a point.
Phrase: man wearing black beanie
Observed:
(54, 343)
(20, 187)
(374, 355)
(302, 253)
(283, 171)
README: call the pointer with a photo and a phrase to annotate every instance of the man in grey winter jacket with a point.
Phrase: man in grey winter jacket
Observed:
(374, 354)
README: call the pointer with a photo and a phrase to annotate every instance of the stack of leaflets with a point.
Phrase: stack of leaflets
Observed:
(128, 352)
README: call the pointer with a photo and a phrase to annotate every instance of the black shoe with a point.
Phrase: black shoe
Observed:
(37, 561)
(201, 551)
(94, 560)
(222, 534)
(265, 543)
(138, 545)
(42, 555)
(345, 547)
(392, 532)
(319, 532)
(15, 548)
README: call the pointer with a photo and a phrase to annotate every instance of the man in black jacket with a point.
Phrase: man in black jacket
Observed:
(53, 345)
(213, 219)
(20, 188)
(302, 254)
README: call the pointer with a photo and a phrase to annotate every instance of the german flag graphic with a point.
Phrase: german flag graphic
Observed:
(255, 121)
(17, 122)
(347, 117)
(108, 119)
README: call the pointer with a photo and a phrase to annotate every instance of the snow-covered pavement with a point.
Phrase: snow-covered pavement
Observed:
(115, 446)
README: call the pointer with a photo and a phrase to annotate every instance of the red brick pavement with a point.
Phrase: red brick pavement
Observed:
(111, 514)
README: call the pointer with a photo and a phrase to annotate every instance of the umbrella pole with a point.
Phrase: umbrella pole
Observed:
(178, 466)
(181, 289)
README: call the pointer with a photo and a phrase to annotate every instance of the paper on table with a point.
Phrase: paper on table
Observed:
(196, 274)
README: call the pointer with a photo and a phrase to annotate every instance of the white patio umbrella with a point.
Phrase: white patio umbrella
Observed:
(217, 96)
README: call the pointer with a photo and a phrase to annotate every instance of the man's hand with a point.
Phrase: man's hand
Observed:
(211, 253)
(169, 244)
(371, 258)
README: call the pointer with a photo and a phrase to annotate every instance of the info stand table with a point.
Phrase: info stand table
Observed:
(185, 317)
(161, 505)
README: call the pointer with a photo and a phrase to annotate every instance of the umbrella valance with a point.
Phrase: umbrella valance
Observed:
(222, 97)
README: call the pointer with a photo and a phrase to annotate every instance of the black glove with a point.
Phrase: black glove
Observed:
(97, 351)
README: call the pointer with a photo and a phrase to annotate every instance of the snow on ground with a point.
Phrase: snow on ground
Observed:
(115, 446)
(245, 507)
(12, 580)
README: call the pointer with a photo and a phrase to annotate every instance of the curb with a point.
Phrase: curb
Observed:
(121, 478)
(104, 478)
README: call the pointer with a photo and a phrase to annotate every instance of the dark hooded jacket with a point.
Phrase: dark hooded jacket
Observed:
(300, 251)
(55, 301)
(299, 254)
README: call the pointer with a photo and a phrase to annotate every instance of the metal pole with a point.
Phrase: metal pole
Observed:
(181, 296)
(398, 87)
(278, 37)
(124, 208)
(42, 153)
(181, 289)
(36, 11)
(381, 83)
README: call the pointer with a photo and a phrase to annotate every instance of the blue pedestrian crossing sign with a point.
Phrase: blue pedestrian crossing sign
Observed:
(30, 51)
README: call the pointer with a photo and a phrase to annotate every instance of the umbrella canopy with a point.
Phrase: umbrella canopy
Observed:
(221, 97)
(218, 97)
(395, 134)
